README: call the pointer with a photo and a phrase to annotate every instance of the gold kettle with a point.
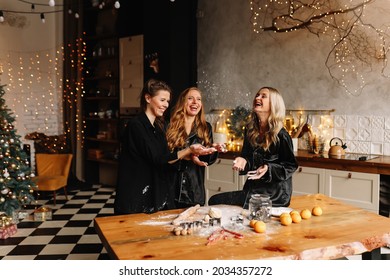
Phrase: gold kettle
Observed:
(337, 150)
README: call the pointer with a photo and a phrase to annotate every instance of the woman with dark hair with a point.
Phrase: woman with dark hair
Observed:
(142, 180)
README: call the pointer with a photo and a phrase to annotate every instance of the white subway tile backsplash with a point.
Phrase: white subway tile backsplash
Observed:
(377, 135)
(378, 122)
(387, 136)
(364, 134)
(340, 121)
(339, 132)
(353, 122)
(351, 133)
(364, 121)
(376, 148)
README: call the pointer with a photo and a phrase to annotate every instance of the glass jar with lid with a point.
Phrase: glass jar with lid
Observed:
(260, 207)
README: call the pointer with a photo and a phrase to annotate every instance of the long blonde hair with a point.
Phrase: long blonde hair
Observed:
(176, 133)
(275, 121)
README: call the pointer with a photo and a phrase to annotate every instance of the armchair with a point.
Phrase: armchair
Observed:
(52, 171)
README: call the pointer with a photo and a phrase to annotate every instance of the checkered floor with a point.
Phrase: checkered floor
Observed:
(70, 234)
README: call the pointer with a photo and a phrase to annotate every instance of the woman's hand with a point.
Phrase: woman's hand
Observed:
(257, 174)
(197, 161)
(200, 150)
(220, 147)
(239, 163)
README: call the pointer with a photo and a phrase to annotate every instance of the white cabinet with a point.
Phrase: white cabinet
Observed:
(356, 188)
(220, 177)
(308, 180)
(131, 57)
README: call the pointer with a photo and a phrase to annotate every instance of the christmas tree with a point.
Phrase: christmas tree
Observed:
(16, 184)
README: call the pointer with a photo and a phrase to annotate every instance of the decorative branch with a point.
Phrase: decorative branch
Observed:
(358, 46)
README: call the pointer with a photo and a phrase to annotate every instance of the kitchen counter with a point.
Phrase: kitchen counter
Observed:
(376, 165)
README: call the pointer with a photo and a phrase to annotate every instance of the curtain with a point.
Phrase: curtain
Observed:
(72, 88)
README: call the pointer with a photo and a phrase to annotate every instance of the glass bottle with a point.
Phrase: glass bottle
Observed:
(260, 207)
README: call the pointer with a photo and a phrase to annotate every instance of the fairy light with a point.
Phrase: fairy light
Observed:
(323, 17)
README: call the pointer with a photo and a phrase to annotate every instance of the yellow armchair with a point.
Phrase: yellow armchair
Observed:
(52, 171)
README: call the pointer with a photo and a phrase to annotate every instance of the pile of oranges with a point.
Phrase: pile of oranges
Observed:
(296, 217)
(286, 219)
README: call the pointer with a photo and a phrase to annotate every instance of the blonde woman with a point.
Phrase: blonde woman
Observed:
(267, 156)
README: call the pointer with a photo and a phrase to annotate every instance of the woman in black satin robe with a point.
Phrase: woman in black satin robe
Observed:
(267, 156)
(143, 185)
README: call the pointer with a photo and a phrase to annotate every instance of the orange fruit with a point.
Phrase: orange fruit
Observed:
(316, 211)
(296, 217)
(285, 220)
(260, 227)
(306, 214)
(252, 223)
(294, 212)
(284, 214)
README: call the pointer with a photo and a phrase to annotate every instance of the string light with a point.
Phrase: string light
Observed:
(43, 18)
(117, 5)
(33, 10)
(1, 16)
(347, 64)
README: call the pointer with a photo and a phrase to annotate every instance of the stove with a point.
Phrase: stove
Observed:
(361, 157)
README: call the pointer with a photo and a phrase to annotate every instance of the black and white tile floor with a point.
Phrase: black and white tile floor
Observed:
(70, 234)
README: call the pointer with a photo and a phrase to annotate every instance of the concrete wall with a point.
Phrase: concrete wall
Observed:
(234, 62)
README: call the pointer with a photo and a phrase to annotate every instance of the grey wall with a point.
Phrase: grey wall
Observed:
(234, 62)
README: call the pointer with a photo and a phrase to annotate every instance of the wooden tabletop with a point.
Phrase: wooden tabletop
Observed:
(342, 230)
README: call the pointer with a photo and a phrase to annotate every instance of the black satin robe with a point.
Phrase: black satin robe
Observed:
(187, 178)
(277, 182)
(143, 184)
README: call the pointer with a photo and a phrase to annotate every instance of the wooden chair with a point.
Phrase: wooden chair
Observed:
(52, 171)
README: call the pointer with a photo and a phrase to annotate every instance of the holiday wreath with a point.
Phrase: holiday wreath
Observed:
(237, 121)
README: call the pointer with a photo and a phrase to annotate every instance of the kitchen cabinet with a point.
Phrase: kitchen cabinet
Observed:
(131, 64)
(220, 177)
(101, 94)
(308, 180)
(356, 188)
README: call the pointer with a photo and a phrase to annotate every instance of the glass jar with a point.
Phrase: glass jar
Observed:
(260, 207)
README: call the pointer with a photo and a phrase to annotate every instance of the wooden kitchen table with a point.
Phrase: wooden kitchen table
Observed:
(342, 230)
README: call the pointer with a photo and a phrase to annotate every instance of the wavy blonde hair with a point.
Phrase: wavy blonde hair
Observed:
(176, 133)
(275, 121)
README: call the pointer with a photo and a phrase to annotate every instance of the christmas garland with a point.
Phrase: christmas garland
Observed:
(237, 121)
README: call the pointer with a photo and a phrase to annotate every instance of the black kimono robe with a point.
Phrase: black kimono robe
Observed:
(143, 180)
(187, 178)
(277, 182)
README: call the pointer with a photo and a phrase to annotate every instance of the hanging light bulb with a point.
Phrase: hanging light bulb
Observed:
(1, 16)
(32, 7)
(43, 18)
(52, 3)
(76, 15)
(117, 5)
